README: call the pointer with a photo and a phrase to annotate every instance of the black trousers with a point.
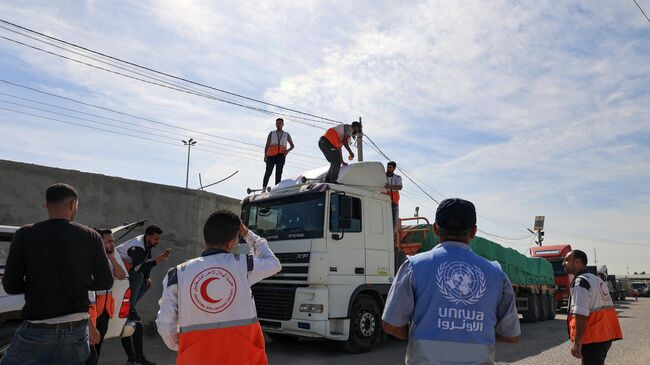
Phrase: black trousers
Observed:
(276, 161)
(102, 327)
(595, 353)
(333, 156)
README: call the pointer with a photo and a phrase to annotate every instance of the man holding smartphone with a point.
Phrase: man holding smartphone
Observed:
(137, 257)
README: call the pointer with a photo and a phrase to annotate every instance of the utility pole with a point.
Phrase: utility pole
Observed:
(189, 143)
(539, 229)
(360, 144)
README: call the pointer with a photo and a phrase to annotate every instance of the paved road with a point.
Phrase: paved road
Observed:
(541, 343)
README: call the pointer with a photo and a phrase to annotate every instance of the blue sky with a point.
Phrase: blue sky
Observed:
(525, 108)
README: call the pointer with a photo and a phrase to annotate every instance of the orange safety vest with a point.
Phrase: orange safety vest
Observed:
(394, 194)
(333, 136)
(602, 323)
(92, 309)
(207, 346)
(105, 303)
(277, 146)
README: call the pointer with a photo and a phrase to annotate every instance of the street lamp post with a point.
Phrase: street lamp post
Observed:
(189, 143)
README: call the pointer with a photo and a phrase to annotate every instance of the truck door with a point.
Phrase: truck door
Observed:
(379, 240)
(345, 240)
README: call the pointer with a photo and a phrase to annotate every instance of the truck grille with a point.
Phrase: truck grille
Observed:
(295, 269)
(274, 301)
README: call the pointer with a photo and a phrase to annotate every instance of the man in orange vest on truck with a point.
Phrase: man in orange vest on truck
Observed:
(393, 186)
(275, 152)
(207, 312)
(592, 320)
(332, 141)
(104, 304)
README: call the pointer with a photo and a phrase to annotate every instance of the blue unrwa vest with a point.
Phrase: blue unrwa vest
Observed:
(456, 295)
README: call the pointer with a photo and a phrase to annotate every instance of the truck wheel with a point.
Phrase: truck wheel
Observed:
(365, 325)
(550, 315)
(530, 315)
(543, 307)
(278, 337)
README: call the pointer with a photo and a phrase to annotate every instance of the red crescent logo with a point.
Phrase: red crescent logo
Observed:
(204, 291)
(220, 297)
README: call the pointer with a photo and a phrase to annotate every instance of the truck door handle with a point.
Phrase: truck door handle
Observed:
(359, 270)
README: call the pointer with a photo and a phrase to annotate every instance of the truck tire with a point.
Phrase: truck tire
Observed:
(552, 310)
(279, 337)
(530, 315)
(543, 307)
(365, 325)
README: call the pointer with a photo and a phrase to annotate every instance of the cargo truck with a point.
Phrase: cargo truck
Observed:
(338, 253)
(555, 255)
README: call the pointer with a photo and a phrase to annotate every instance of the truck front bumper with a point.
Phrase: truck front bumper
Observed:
(331, 329)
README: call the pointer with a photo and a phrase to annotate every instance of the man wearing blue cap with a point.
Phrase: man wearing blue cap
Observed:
(449, 303)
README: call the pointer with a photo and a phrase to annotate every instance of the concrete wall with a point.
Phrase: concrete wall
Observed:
(106, 201)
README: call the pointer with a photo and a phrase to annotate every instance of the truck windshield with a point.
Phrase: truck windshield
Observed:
(294, 217)
(558, 269)
(639, 286)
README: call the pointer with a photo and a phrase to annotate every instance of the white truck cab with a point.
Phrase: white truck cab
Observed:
(335, 243)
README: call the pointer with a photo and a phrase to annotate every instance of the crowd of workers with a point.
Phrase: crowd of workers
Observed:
(66, 271)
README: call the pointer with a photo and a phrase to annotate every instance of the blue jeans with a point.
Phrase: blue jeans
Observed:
(138, 287)
(40, 346)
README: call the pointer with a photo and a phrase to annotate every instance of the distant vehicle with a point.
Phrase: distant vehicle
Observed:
(642, 288)
(11, 305)
(555, 254)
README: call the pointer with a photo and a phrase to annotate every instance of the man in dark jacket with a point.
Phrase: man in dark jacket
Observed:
(55, 263)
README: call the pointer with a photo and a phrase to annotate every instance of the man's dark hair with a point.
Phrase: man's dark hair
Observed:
(449, 235)
(221, 227)
(392, 163)
(280, 120)
(152, 229)
(103, 231)
(60, 192)
(580, 255)
(356, 124)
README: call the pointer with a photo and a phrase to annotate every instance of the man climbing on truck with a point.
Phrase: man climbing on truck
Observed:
(331, 143)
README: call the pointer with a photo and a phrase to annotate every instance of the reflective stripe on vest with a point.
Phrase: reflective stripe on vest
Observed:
(215, 306)
(333, 136)
(277, 145)
(456, 295)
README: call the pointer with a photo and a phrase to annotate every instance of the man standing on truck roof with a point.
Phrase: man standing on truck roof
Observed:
(207, 312)
(104, 306)
(137, 257)
(55, 263)
(330, 144)
(592, 321)
(275, 152)
(393, 186)
(456, 317)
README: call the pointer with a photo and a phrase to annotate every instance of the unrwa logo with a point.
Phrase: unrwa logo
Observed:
(460, 282)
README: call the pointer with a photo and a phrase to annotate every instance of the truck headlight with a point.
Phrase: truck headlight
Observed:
(311, 308)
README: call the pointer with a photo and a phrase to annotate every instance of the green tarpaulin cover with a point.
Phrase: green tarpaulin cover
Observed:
(520, 269)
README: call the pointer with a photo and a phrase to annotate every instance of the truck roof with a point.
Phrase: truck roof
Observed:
(367, 176)
(551, 251)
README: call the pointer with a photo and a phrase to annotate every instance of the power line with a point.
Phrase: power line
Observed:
(332, 121)
(175, 88)
(643, 12)
(167, 124)
(209, 150)
(176, 135)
